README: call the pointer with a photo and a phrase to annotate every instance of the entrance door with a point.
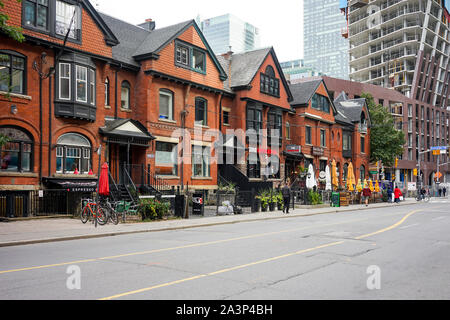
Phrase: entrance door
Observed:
(123, 162)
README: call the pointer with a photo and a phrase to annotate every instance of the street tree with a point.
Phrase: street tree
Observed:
(386, 142)
(10, 31)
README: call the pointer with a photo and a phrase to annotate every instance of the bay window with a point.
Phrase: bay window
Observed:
(81, 83)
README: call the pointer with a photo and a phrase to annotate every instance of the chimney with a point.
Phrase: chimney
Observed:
(148, 25)
(228, 54)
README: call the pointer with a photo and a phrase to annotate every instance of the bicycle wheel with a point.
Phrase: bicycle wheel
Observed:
(102, 216)
(84, 216)
(427, 198)
(114, 216)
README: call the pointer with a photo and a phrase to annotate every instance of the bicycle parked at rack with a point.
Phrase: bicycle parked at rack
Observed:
(110, 212)
(91, 209)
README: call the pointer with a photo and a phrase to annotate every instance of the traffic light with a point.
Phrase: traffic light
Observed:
(415, 172)
(396, 162)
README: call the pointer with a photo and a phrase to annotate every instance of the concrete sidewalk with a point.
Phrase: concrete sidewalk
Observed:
(23, 232)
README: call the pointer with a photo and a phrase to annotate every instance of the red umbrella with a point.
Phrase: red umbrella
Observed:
(103, 183)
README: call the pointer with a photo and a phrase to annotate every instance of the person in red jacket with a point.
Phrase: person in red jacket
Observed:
(397, 195)
(365, 194)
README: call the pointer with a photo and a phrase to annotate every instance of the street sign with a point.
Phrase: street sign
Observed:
(438, 148)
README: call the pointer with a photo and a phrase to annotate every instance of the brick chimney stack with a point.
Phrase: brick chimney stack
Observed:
(148, 25)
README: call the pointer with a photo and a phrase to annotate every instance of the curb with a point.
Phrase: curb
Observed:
(112, 234)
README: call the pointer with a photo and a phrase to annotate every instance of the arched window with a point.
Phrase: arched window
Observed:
(107, 92)
(165, 104)
(362, 173)
(269, 84)
(125, 95)
(345, 172)
(73, 151)
(17, 153)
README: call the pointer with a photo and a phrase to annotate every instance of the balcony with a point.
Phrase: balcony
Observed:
(358, 3)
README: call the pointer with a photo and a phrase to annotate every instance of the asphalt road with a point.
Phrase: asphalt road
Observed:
(388, 253)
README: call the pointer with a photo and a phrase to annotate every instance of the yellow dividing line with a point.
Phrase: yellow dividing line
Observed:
(201, 244)
(258, 262)
(221, 271)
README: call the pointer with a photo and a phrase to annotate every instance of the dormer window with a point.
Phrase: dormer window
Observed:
(190, 57)
(269, 84)
(55, 17)
(65, 12)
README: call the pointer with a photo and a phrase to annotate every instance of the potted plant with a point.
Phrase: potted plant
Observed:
(264, 197)
(302, 172)
(257, 204)
(280, 202)
(272, 201)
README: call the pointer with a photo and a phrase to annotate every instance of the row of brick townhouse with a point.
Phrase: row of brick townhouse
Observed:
(155, 104)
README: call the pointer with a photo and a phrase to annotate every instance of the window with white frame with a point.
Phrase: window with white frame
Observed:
(81, 83)
(92, 86)
(201, 157)
(125, 95)
(64, 81)
(73, 152)
(165, 104)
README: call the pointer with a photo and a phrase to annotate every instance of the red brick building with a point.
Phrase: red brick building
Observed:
(152, 103)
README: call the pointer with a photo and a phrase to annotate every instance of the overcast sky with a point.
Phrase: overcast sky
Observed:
(280, 22)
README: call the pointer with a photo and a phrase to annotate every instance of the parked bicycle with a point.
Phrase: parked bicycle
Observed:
(109, 211)
(92, 210)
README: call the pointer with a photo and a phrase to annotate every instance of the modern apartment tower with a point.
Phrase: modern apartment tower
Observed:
(324, 48)
(401, 44)
(228, 31)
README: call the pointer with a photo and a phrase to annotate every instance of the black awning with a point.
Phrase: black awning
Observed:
(293, 155)
(72, 185)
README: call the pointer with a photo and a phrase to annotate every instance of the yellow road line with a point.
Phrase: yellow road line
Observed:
(200, 244)
(220, 271)
(260, 261)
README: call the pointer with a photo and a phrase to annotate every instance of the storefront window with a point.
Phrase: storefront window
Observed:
(166, 160)
(16, 155)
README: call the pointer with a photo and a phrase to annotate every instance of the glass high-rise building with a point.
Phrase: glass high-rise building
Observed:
(227, 31)
(325, 50)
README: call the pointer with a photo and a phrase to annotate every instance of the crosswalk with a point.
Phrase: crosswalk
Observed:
(440, 200)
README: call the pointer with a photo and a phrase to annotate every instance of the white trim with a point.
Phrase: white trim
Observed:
(167, 139)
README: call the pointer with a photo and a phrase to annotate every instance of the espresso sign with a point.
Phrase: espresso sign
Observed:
(293, 149)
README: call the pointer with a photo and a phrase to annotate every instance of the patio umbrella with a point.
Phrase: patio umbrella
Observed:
(327, 178)
(359, 186)
(311, 180)
(371, 186)
(377, 187)
(334, 177)
(103, 182)
(350, 177)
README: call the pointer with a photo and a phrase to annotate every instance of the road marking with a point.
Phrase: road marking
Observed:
(258, 262)
(194, 245)
(438, 218)
(221, 271)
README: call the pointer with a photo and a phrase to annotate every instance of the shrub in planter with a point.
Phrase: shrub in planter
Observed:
(257, 205)
(153, 209)
(314, 197)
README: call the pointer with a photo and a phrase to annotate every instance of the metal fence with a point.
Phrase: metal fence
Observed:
(56, 202)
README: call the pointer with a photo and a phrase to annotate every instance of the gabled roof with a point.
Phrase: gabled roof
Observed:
(351, 108)
(243, 67)
(126, 128)
(110, 37)
(138, 44)
(130, 36)
(304, 91)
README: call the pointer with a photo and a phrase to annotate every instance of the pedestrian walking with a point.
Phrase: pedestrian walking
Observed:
(286, 193)
(389, 193)
(444, 191)
(440, 192)
(397, 194)
(365, 194)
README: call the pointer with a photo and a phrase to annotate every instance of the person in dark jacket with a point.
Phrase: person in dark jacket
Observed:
(286, 193)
